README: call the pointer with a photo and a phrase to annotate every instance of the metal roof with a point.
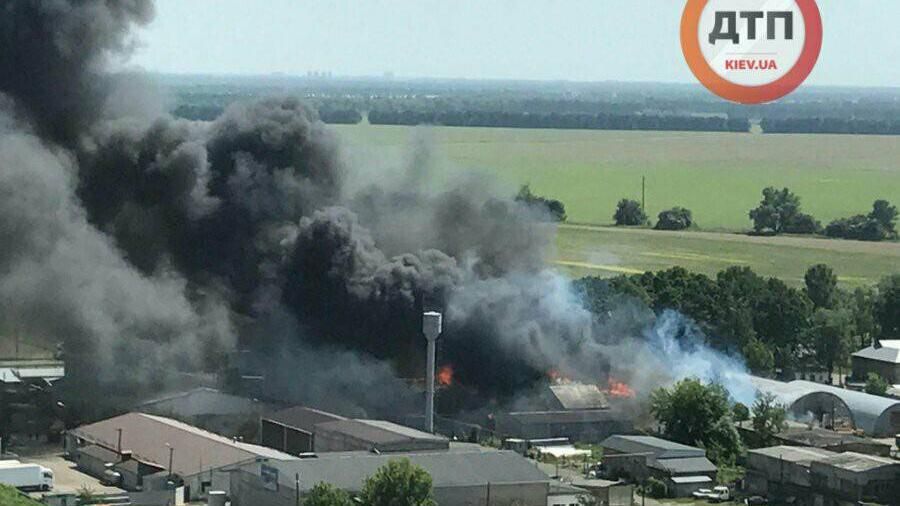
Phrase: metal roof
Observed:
(856, 462)
(685, 465)
(578, 416)
(795, 454)
(579, 396)
(149, 438)
(303, 418)
(448, 468)
(100, 453)
(377, 432)
(691, 479)
(889, 351)
(871, 413)
(660, 448)
(821, 438)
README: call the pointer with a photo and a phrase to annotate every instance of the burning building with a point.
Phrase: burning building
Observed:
(576, 411)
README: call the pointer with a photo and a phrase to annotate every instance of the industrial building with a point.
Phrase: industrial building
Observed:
(300, 430)
(856, 478)
(782, 473)
(209, 409)
(835, 407)
(152, 453)
(807, 476)
(881, 357)
(462, 475)
(574, 411)
(682, 468)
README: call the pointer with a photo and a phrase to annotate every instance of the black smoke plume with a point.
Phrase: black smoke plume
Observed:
(156, 248)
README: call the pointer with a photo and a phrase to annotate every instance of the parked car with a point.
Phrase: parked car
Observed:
(717, 494)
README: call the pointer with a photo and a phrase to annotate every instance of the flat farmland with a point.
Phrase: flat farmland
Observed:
(584, 250)
(718, 176)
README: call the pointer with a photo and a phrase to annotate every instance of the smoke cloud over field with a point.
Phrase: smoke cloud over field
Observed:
(154, 246)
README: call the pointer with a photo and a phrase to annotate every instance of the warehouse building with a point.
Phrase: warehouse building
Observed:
(881, 357)
(807, 476)
(154, 453)
(292, 430)
(574, 411)
(683, 468)
(300, 430)
(856, 478)
(835, 407)
(209, 409)
(462, 475)
(782, 473)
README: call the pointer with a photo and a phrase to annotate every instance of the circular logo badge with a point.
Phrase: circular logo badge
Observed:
(751, 51)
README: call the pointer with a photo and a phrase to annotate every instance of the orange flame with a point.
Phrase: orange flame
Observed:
(444, 375)
(557, 378)
(619, 389)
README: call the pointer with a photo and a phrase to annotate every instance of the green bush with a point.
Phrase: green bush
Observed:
(655, 488)
(677, 218)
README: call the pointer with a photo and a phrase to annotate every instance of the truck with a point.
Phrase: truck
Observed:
(717, 494)
(25, 476)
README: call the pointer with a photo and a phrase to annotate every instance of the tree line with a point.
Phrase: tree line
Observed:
(779, 212)
(831, 125)
(583, 121)
(773, 326)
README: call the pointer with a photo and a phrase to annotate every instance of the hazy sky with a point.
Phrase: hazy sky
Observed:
(627, 40)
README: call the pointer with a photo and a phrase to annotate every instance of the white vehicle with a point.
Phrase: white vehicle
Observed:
(717, 494)
(26, 476)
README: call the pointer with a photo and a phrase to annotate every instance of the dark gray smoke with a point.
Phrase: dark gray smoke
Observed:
(144, 241)
(52, 55)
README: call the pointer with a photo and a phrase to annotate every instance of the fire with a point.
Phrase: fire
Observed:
(444, 375)
(557, 378)
(619, 389)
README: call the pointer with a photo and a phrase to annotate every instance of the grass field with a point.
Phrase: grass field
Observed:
(607, 251)
(718, 176)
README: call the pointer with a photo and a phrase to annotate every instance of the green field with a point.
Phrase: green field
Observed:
(607, 251)
(718, 176)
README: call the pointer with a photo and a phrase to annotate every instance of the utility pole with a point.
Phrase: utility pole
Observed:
(297, 488)
(119, 443)
(643, 193)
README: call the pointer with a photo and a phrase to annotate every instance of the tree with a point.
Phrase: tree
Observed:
(769, 417)
(878, 225)
(821, 286)
(677, 218)
(760, 359)
(740, 412)
(779, 212)
(886, 215)
(695, 413)
(876, 385)
(553, 208)
(832, 331)
(887, 307)
(862, 307)
(781, 319)
(325, 494)
(630, 213)
(398, 483)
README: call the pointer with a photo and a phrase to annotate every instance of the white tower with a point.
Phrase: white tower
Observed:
(431, 327)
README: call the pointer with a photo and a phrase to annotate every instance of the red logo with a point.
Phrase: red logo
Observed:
(751, 51)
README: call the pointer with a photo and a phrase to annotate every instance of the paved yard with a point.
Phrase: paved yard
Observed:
(67, 478)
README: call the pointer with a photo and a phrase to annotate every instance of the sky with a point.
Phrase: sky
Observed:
(582, 40)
